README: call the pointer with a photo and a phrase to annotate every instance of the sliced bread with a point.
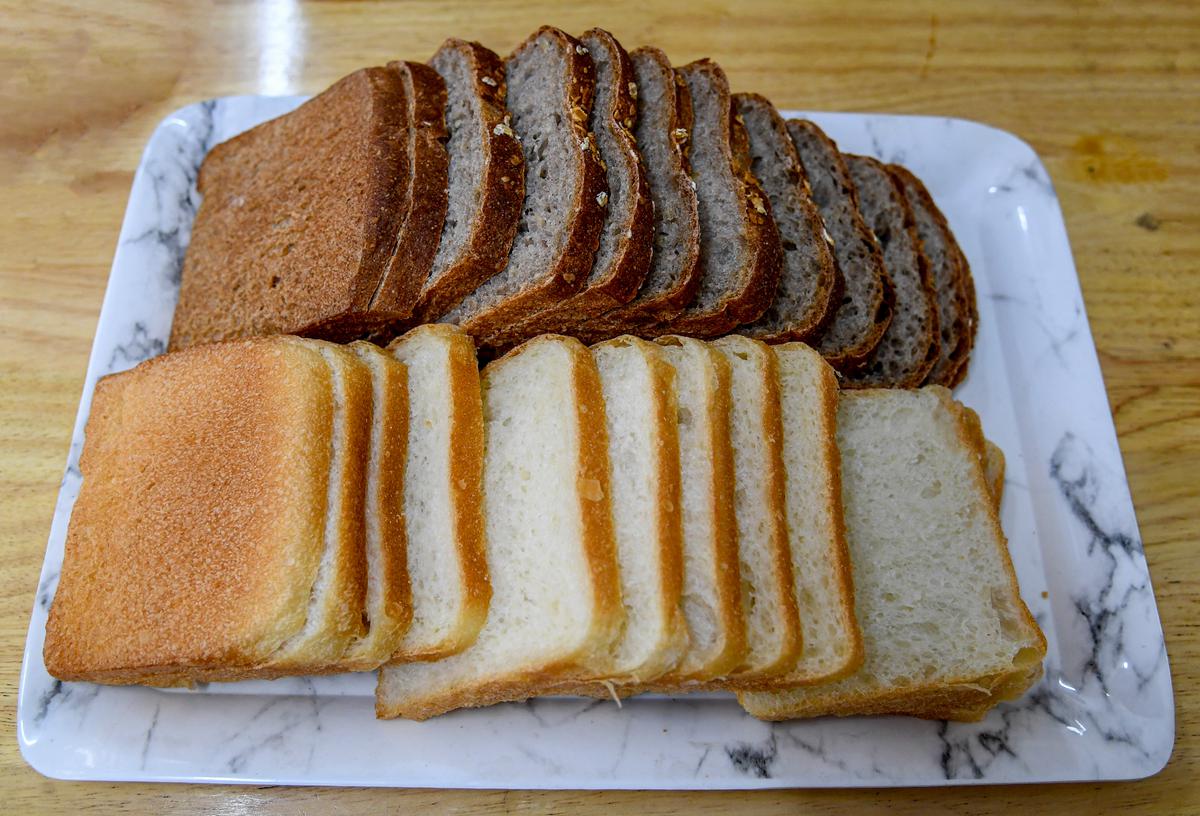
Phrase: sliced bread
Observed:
(299, 219)
(909, 346)
(641, 416)
(486, 178)
(443, 493)
(740, 254)
(810, 285)
(821, 567)
(623, 257)
(944, 627)
(195, 541)
(388, 609)
(424, 200)
(662, 129)
(957, 316)
(773, 634)
(551, 84)
(712, 600)
(556, 604)
(866, 306)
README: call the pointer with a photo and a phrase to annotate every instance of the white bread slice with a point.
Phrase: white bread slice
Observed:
(945, 629)
(443, 492)
(808, 393)
(388, 609)
(556, 603)
(641, 417)
(338, 600)
(712, 601)
(773, 634)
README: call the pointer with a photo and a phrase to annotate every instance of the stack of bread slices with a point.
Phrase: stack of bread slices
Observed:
(669, 516)
(575, 188)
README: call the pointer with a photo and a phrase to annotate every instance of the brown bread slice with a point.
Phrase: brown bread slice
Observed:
(739, 246)
(623, 257)
(300, 219)
(424, 199)
(957, 317)
(866, 306)
(662, 129)
(486, 178)
(810, 286)
(551, 84)
(909, 346)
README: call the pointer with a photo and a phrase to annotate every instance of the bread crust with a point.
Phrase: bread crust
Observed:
(756, 290)
(389, 618)
(829, 285)
(466, 486)
(569, 270)
(629, 266)
(502, 191)
(784, 584)
(850, 357)
(951, 366)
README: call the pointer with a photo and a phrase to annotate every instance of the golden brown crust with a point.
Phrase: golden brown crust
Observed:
(466, 486)
(389, 597)
(501, 193)
(750, 299)
(299, 218)
(951, 367)
(198, 529)
(424, 200)
(632, 261)
(773, 477)
(570, 269)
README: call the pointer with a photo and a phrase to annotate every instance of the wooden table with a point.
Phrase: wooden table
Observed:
(1108, 94)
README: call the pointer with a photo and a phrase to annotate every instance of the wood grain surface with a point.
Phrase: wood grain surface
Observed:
(1107, 93)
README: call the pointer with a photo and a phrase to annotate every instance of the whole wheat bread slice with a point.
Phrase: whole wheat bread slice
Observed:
(740, 254)
(486, 178)
(824, 588)
(909, 346)
(623, 257)
(773, 635)
(556, 603)
(866, 306)
(662, 129)
(179, 561)
(300, 218)
(951, 274)
(944, 627)
(443, 493)
(810, 286)
(551, 83)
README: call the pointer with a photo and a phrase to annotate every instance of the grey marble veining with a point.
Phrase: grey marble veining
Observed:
(1104, 709)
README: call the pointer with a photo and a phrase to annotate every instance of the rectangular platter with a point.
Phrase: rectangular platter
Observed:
(1104, 709)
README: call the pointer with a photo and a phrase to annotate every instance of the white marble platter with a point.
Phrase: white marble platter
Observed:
(1103, 711)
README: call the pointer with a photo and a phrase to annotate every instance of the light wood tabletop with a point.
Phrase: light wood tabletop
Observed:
(1107, 93)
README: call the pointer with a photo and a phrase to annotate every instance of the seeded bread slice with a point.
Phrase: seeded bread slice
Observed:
(740, 254)
(909, 346)
(299, 219)
(486, 178)
(811, 284)
(623, 257)
(424, 200)
(957, 316)
(866, 306)
(443, 492)
(662, 129)
(773, 635)
(551, 84)
(945, 629)
(556, 608)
